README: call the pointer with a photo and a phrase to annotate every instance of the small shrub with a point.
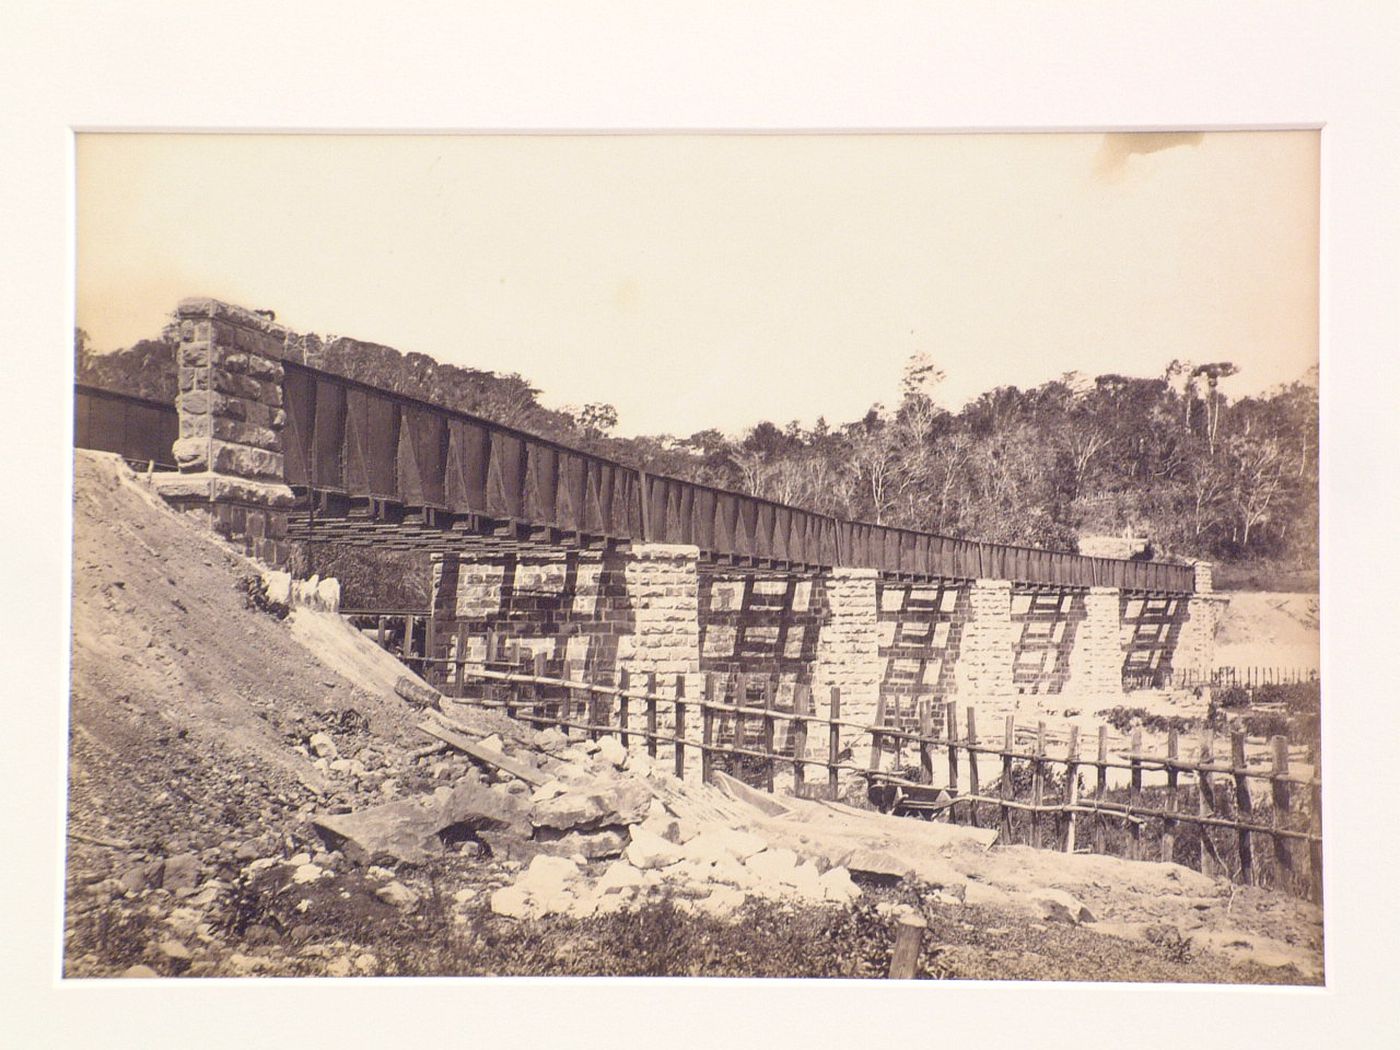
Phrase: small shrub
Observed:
(1232, 696)
(1169, 942)
(1126, 719)
(1266, 724)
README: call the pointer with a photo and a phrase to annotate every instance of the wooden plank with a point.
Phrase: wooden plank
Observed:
(483, 754)
(1244, 807)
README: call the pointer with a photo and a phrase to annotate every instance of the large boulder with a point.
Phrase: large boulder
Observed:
(647, 850)
(609, 802)
(408, 831)
(1059, 906)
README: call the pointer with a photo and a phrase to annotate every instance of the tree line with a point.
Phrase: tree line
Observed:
(1172, 457)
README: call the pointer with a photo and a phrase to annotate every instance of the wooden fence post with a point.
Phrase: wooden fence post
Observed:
(571, 698)
(950, 729)
(974, 788)
(1135, 797)
(707, 728)
(926, 739)
(908, 940)
(430, 669)
(1007, 791)
(1281, 803)
(1244, 807)
(1037, 784)
(1071, 786)
(1315, 826)
(877, 739)
(624, 682)
(741, 699)
(680, 727)
(512, 687)
(1205, 802)
(1169, 825)
(379, 633)
(1100, 788)
(768, 762)
(537, 690)
(651, 714)
(798, 736)
(834, 742)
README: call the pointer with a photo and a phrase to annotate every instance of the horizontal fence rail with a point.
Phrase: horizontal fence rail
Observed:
(138, 429)
(1206, 816)
(348, 439)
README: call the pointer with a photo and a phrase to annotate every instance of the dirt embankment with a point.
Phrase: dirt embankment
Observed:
(210, 739)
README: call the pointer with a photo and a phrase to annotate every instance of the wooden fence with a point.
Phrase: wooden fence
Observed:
(1206, 816)
(1219, 677)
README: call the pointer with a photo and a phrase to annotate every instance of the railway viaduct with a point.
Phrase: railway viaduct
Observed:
(583, 559)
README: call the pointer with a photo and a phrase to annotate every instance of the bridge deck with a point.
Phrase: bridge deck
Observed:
(374, 466)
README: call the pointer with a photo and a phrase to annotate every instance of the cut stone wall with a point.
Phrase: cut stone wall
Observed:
(230, 446)
(984, 662)
(1096, 660)
(921, 630)
(848, 654)
(1046, 625)
(765, 628)
(1149, 631)
(663, 590)
(572, 608)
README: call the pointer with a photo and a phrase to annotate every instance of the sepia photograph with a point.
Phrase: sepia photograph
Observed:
(694, 555)
(642, 524)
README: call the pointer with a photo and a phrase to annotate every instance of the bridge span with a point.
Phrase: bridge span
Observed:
(586, 561)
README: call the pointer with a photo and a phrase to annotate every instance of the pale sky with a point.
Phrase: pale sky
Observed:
(701, 281)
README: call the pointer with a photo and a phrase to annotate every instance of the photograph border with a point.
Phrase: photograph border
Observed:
(906, 67)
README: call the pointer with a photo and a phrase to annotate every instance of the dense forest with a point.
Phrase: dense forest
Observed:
(1170, 457)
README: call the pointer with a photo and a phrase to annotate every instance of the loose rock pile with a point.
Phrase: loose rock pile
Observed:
(598, 831)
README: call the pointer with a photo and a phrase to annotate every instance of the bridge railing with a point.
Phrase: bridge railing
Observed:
(136, 428)
(348, 438)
